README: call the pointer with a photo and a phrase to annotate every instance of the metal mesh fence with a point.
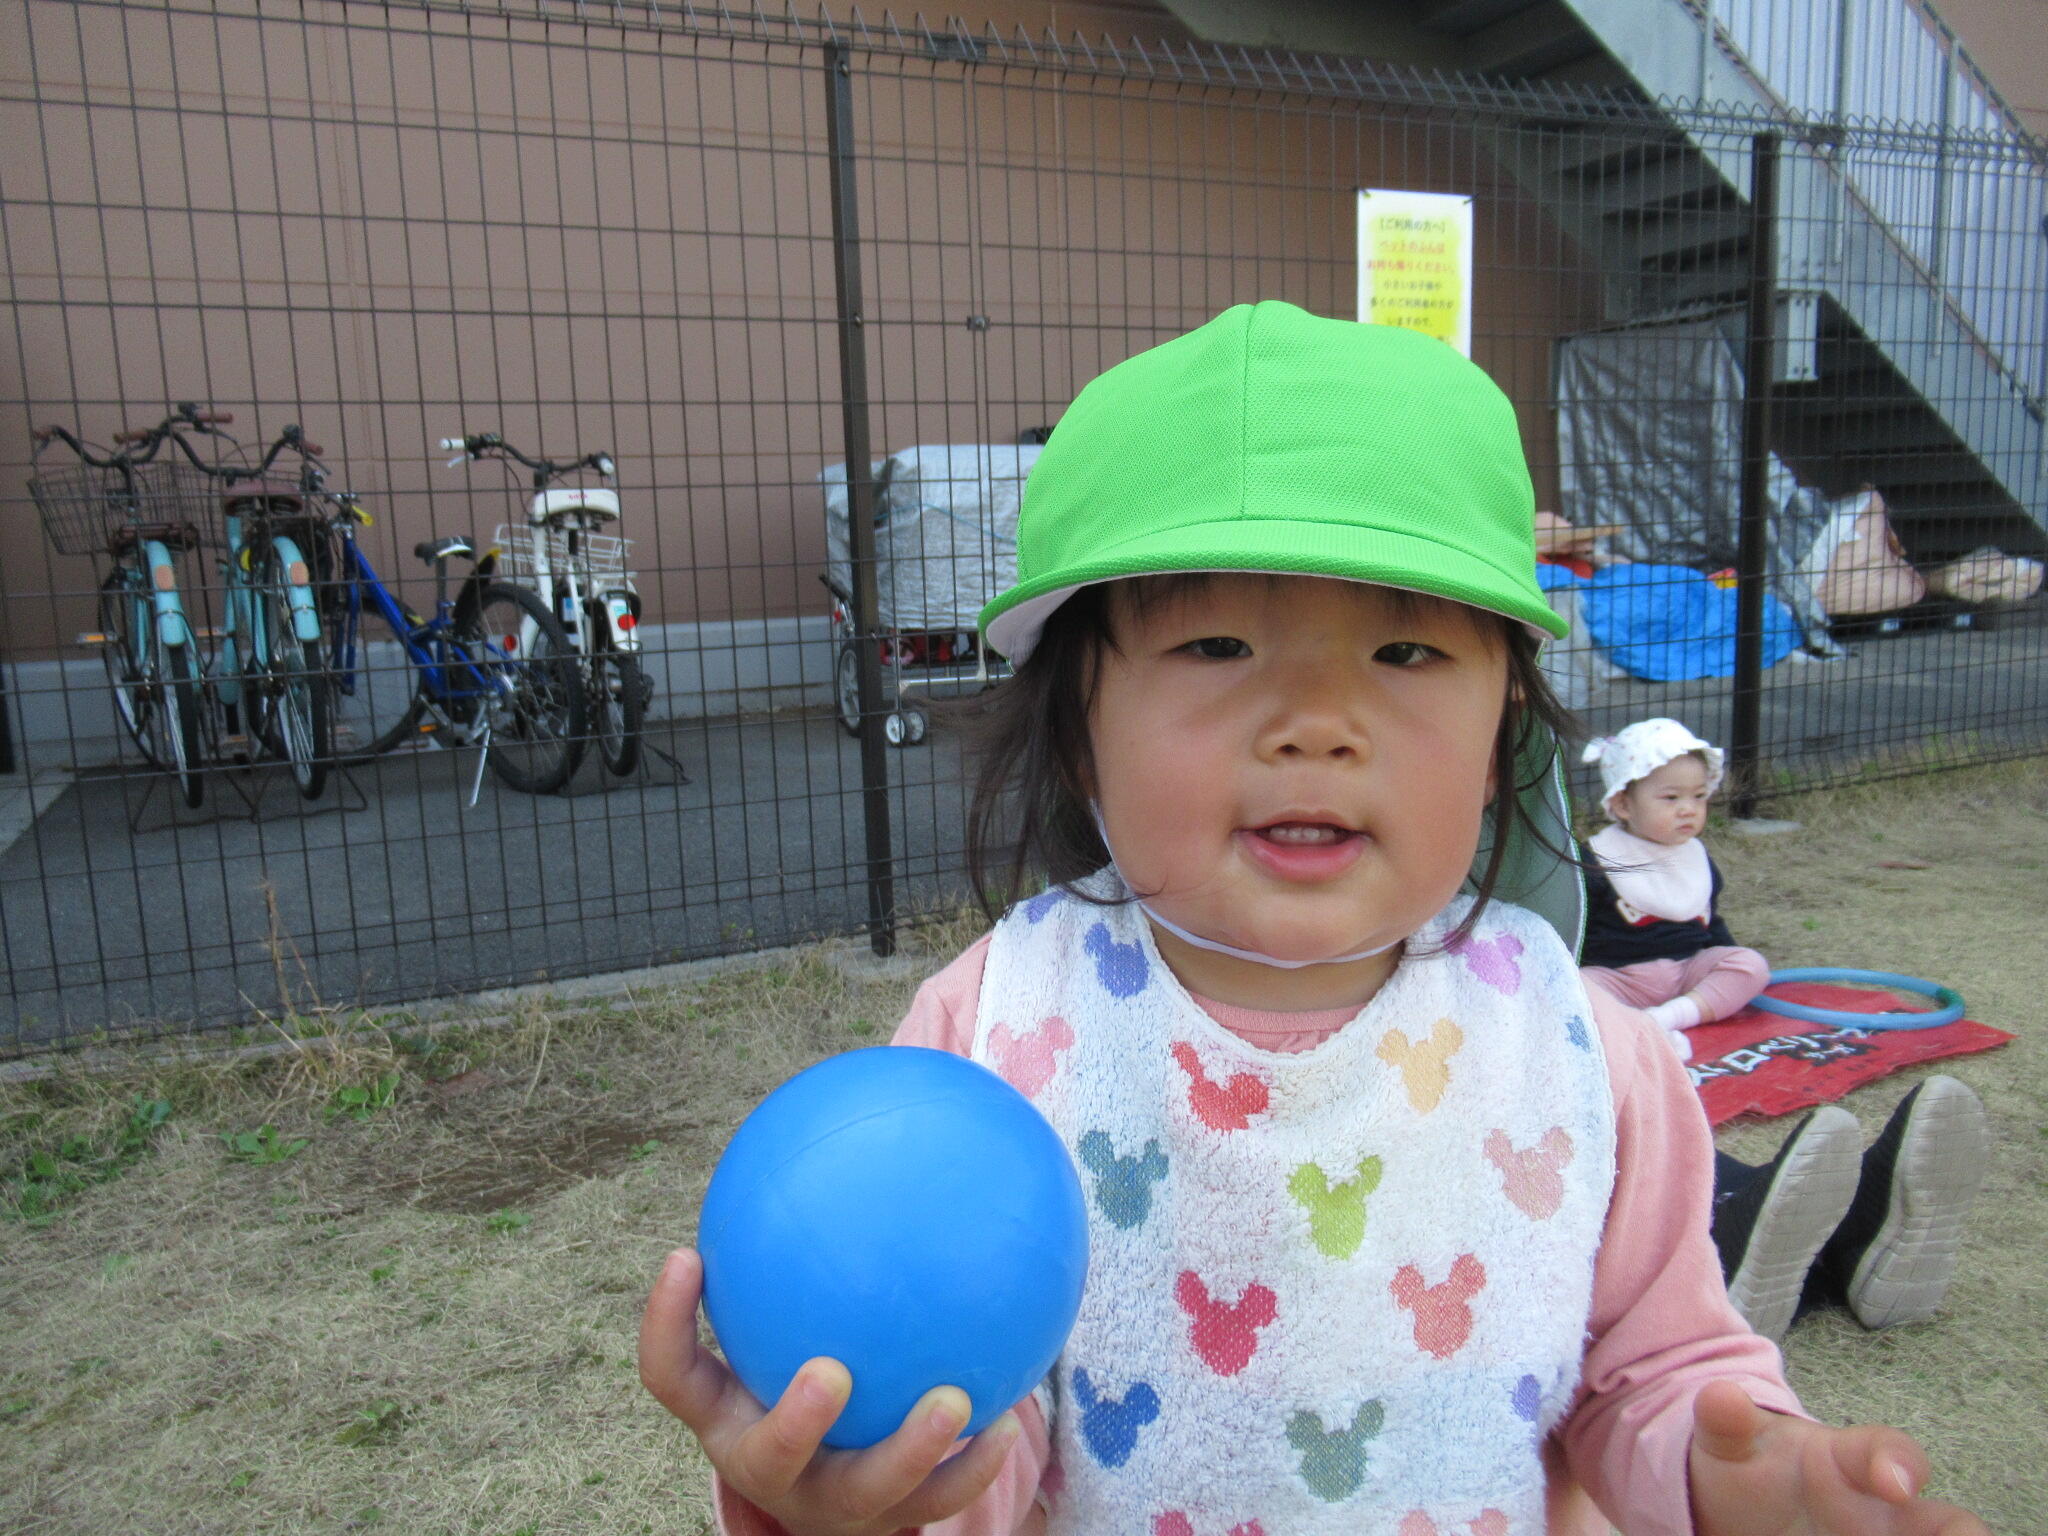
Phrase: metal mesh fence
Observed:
(740, 254)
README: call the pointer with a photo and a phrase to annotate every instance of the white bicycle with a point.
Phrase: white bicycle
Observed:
(581, 574)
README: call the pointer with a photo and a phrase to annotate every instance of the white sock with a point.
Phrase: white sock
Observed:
(1680, 1013)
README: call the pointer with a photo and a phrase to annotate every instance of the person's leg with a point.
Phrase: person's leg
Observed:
(1648, 987)
(1642, 985)
(1893, 1254)
(1721, 981)
(1770, 1222)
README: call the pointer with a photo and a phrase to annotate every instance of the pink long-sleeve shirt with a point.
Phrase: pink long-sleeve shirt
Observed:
(1661, 1326)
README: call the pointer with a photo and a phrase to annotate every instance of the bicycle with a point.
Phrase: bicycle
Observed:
(138, 512)
(267, 677)
(492, 668)
(580, 573)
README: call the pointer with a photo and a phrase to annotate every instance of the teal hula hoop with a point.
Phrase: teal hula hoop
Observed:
(1948, 1001)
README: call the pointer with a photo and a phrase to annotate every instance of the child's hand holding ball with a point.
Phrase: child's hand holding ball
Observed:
(892, 1253)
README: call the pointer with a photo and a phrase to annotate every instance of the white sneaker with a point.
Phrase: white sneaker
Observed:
(1894, 1254)
(1781, 1220)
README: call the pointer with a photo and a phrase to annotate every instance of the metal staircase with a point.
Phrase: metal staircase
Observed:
(1889, 374)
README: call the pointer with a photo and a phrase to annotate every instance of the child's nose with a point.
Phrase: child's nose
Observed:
(1311, 719)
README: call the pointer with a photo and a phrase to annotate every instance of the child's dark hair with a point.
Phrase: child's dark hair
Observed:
(1030, 816)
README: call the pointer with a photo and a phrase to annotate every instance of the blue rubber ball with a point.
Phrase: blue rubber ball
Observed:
(908, 1213)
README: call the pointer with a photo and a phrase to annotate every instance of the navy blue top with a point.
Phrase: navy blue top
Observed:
(1613, 941)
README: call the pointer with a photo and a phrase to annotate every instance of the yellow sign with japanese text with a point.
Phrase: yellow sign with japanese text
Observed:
(1415, 262)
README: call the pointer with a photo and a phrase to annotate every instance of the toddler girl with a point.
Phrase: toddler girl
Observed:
(1654, 935)
(1394, 1227)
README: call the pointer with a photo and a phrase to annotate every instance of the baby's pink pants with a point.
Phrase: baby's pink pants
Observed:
(1722, 979)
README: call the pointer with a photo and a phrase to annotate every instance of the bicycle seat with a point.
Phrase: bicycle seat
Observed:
(179, 536)
(434, 551)
(595, 506)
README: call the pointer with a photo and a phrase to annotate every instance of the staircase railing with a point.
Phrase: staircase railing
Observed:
(1968, 200)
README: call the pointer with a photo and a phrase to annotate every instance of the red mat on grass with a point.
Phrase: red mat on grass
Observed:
(1758, 1063)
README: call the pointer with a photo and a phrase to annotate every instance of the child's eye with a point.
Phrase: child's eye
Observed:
(1406, 653)
(1218, 648)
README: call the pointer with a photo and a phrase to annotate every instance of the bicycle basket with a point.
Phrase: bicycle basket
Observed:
(608, 553)
(83, 507)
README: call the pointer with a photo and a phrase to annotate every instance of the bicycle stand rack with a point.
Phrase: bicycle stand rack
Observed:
(251, 783)
(593, 778)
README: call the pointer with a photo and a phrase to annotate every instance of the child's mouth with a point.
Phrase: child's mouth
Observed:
(1305, 834)
(1303, 850)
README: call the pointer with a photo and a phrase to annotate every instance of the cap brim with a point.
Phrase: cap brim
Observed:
(1253, 545)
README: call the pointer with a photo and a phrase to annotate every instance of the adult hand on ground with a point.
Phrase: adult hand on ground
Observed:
(1765, 1474)
(773, 1457)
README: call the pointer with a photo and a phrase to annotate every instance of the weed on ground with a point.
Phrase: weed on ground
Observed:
(392, 1280)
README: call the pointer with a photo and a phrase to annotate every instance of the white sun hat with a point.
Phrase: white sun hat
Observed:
(1639, 750)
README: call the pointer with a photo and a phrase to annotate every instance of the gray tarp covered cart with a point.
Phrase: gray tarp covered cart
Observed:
(1649, 435)
(945, 543)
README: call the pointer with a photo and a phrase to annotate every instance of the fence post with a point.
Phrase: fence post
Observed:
(1746, 725)
(6, 725)
(860, 496)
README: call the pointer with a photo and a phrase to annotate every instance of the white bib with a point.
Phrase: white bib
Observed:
(1655, 879)
(1344, 1290)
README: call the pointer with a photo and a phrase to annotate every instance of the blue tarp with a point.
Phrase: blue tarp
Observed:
(1667, 622)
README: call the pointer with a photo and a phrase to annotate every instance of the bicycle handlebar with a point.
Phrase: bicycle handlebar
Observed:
(479, 444)
(184, 414)
(111, 461)
(291, 437)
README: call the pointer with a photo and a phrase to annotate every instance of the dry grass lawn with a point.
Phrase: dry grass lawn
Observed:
(423, 1319)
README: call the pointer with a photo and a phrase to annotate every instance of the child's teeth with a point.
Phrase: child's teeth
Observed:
(1296, 833)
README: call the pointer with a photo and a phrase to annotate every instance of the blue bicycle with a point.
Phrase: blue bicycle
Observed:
(493, 668)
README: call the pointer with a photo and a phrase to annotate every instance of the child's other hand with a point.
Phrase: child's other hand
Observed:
(1764, 1474)
(773, 1458)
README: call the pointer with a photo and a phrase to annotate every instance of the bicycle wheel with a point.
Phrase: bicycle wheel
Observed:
(126, 653)
(285, 689)
(537, 723)
(618, 704)
(846, 686)
(376, 699)
(177, 719)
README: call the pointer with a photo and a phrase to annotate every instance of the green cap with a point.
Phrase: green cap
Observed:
(1275, 440)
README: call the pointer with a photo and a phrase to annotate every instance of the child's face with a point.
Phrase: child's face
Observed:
(1294, 765)
(1668, 806)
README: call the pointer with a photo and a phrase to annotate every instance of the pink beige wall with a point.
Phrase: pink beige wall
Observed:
(394, 225)
(2009, 41)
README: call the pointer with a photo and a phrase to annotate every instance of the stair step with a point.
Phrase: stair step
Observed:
(1906, 430)
(1595, 69)
(1655, 182)
(1856, 391)
(1721, 278)
(1657, 236)
(1933, 469)
(1527, 42)
(1460, 18)
(1592, 151)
